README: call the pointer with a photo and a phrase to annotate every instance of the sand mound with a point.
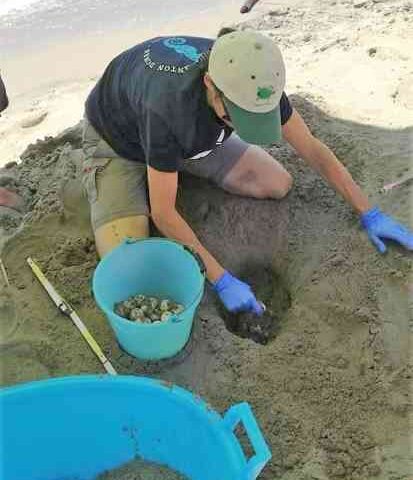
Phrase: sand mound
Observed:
(331, 390)
(139, 470)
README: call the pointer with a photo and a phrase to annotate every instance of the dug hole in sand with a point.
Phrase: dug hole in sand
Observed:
(331, 388)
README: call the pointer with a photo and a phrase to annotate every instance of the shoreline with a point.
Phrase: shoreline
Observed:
(48, 87)
(61, 76)
(56, 21)
(87, 54)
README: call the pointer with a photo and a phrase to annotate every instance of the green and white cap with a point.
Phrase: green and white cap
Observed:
(249, 70)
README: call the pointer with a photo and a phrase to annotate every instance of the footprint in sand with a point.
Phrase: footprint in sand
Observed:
(33, 120)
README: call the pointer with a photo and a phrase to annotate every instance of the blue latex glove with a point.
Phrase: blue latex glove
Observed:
(381, 227)
(236, 295)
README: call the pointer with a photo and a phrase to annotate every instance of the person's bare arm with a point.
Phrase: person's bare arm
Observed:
(323, 160)
(162, 194)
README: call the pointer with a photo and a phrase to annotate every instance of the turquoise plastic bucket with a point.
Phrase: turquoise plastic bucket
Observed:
(158, 267)
(75, 428)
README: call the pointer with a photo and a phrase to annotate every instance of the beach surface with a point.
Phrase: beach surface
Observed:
(332, 388)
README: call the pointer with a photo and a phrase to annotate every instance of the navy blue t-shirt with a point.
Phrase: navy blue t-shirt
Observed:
(150, 105)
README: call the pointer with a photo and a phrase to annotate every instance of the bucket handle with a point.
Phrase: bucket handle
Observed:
(197, 257)
(202, 269)
(243, 413)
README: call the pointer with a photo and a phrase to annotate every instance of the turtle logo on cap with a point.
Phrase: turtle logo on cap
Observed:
(263, 93)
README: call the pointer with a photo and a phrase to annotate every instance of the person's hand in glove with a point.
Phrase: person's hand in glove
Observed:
(237, 296)
(380, 227)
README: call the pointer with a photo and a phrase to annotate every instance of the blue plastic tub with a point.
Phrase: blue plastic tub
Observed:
(75, 428)
(152, 266)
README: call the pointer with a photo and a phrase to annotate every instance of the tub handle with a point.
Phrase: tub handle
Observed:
(243, 413)
(197, 257)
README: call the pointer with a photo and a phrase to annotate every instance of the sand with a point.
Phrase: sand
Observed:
(331, 388)
(139, 470)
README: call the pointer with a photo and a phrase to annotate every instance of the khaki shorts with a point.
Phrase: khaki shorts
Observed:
(117, 187)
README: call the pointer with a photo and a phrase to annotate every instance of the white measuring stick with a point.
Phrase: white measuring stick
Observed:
(65, 308)
(4, 272)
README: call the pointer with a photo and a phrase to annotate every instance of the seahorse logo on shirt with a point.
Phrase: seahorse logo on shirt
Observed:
(179, 45)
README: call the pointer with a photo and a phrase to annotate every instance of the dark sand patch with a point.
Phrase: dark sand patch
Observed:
(140, 470)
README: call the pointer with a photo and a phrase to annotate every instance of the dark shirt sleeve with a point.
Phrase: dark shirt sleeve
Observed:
(160, 145)
(286, 109)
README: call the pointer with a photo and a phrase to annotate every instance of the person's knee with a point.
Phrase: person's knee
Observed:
(276, 189)
(282, 190)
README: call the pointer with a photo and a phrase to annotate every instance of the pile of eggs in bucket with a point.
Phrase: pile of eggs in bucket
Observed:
(142, 309)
